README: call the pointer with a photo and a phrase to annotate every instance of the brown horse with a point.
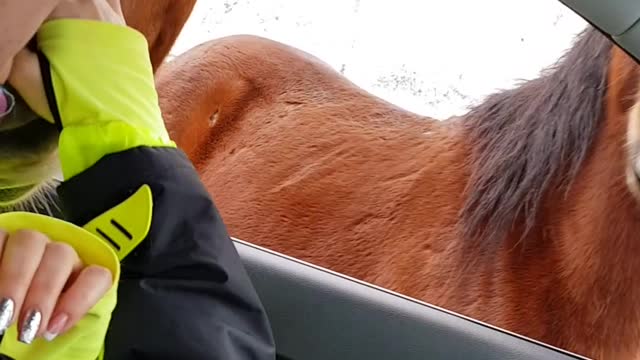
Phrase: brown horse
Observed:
(160, 21)
(521, 213)
(28, 145)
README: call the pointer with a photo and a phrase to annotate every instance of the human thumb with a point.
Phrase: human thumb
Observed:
(26, 79)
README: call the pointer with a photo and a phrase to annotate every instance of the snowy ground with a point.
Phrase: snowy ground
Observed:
(431, 57)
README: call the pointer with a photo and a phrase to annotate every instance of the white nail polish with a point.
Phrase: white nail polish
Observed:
(49, 336)
(56, 325)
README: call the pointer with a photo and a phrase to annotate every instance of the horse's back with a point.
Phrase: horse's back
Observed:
(302, 161)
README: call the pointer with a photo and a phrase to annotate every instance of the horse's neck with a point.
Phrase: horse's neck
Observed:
(595, 230)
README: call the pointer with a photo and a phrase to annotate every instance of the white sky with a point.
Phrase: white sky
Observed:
(446, 54)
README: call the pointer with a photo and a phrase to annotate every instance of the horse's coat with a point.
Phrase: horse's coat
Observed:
(518, 213)
(160, 21)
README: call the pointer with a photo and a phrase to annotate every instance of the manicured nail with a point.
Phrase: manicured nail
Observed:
(7, 307)
(30, 327)
(4, 102)
(7, 102)
(55, 327)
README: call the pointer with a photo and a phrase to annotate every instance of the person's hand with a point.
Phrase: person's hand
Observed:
(100, 88)
(44, 286)
(24, 69)
(19, 22)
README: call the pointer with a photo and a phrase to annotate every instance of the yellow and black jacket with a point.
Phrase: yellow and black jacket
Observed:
(133, 202)
(182, 292)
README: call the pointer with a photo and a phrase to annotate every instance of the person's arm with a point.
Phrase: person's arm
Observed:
(183, 292)
(23, 18)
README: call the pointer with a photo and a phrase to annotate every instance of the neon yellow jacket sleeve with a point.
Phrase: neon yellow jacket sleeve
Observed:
(104, 87)
(85, 341)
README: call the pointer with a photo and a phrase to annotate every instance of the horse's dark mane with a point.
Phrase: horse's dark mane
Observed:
(533, 137)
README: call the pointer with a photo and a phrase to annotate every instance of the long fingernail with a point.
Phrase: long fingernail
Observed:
(7, 307)
(55, 327)
(30, 327)
(7, 102)
(4, 101)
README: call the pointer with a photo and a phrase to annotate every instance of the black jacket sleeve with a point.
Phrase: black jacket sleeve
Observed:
(183, 294)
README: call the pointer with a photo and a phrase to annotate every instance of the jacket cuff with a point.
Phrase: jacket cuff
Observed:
(80, 147)
(104, 106)
(115, 178)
